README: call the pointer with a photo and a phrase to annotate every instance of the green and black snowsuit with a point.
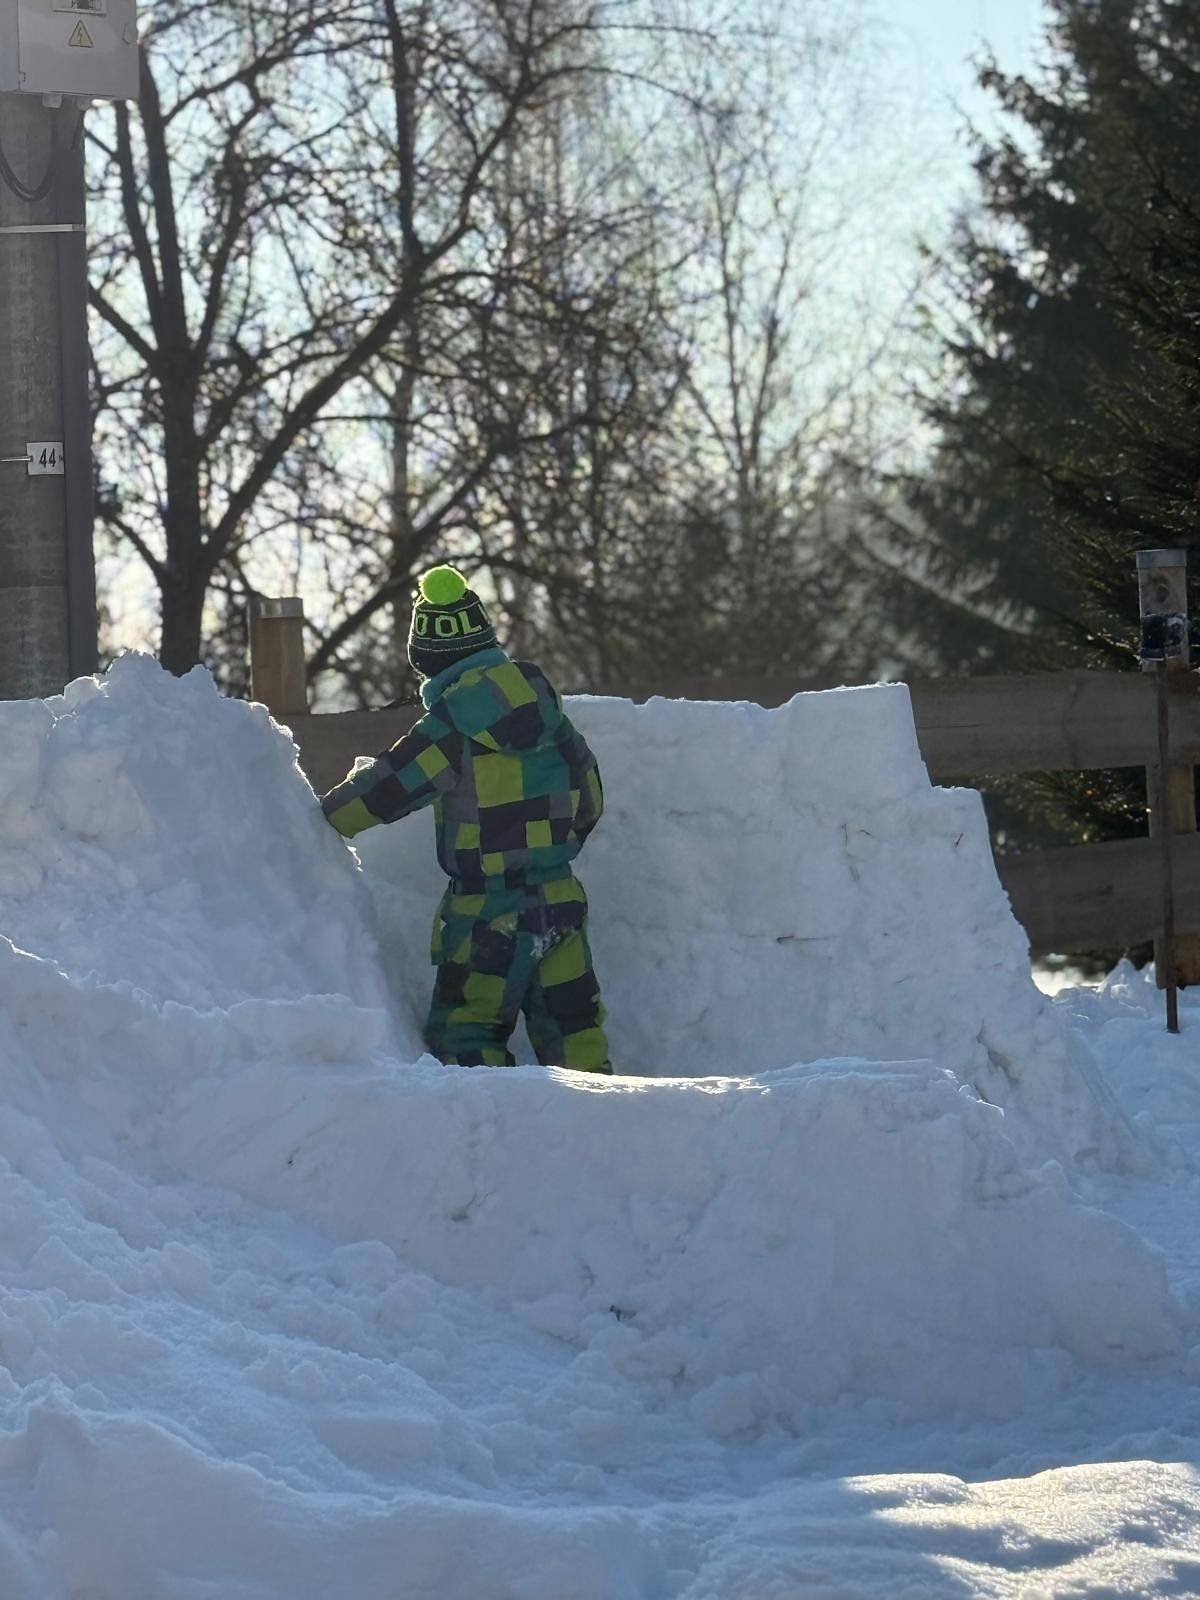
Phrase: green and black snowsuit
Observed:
(515, 792)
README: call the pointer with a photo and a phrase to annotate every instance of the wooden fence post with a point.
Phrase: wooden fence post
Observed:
(1171, 791)
(278, 671)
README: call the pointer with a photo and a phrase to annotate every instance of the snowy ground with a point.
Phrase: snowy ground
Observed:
(878, 1275)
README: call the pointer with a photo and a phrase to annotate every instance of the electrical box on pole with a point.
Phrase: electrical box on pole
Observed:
(86, 49)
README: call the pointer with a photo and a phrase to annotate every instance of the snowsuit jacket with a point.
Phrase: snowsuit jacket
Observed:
(514, 786)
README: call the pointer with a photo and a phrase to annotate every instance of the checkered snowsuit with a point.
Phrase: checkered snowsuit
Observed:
(515, 792)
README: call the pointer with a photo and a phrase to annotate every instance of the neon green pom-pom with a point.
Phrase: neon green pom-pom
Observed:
(442, 586)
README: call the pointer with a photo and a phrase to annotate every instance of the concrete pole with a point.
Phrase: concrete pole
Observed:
(47, 570)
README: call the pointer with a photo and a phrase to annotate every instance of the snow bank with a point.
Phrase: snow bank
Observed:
(192, 959)
(157, 835)
(1154, 1074)
(759, 1245)
(266, 1271)
(779, 886)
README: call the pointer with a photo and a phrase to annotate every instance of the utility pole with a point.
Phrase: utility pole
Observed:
(47, 575)
(55, 56)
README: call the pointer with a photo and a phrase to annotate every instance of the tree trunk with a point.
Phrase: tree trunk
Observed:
(402, 532)
(185, 577)
(182, 616)
(184, 587)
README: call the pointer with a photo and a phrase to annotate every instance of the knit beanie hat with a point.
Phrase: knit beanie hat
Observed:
(448, 622)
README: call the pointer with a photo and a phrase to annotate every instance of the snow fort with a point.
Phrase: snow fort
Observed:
(317, 1305)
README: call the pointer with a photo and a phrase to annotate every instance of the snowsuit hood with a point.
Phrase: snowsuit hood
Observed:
(499, 704)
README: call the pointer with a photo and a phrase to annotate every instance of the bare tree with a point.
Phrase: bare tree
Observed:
(531, 286)
(481, 400)
(257, 257)
(713, 524)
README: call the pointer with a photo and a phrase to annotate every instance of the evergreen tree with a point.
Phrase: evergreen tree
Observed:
(1067, 411)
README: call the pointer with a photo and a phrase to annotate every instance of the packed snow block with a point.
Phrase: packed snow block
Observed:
(777, 886)
(839, 1229)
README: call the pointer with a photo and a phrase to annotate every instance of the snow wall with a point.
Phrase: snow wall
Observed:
(769, 887)
(194, 987)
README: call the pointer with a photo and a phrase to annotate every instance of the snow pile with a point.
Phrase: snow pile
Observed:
(265, 1271)
(759, 1245)
(779, 886)
(198, 969)
(1155, 1076)
(200, 1400)
(155, 834)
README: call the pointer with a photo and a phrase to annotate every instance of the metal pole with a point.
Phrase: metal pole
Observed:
(47, 571)
(1165, 838)
(1164, 649)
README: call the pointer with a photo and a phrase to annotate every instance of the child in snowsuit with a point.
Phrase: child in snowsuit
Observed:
(515, 792)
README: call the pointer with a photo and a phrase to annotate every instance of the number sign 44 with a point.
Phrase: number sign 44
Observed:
(46, 458)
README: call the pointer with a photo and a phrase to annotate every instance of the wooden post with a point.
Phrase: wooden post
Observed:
(278, 672)
(1171, 786)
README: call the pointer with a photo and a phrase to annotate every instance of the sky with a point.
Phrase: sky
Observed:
(915, 165)
(948, 32)
(935, 40)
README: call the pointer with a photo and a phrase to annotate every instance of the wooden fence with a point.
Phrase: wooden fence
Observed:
(1077, 898)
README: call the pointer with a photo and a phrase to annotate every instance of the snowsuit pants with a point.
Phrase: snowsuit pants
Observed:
(509, 951)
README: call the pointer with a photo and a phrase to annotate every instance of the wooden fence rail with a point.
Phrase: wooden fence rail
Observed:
(966, 727)
(1076, 898)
